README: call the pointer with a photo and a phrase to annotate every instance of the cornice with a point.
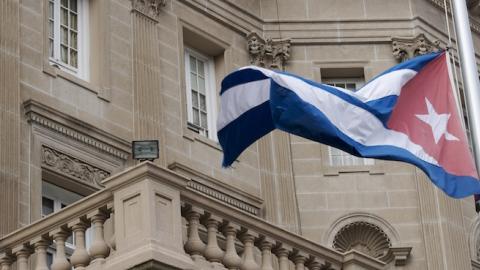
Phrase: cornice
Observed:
(47, 117)
(213, 188)
(474, 23)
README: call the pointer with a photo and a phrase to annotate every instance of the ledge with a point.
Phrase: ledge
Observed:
(215, 189)
(76, 129)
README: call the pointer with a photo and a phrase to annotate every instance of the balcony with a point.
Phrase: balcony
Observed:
(160, 223)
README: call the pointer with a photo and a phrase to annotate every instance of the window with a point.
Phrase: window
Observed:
(54, 198)
(67, 35)
(338, 157)
(352, 84)
(201, 93)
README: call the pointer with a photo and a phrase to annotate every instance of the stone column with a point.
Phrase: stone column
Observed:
(443, 228)
(9, 115)
(278, 186)
(148, 102)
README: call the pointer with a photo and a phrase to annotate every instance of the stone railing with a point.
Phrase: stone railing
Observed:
(158, 222)
(52, 233)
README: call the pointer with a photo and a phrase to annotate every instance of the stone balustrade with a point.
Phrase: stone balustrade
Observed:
(229, 238)
(149, 207)
(29, 245)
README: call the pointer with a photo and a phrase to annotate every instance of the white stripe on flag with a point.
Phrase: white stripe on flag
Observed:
(355, 122)
(241, 98)
(386, 85)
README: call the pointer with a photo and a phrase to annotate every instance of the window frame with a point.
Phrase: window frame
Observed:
(83, 48)
(210, 93)
(359, 82)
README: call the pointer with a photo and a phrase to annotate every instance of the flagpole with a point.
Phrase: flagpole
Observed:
(471, 84)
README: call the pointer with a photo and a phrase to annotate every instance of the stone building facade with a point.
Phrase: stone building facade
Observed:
(81, 79)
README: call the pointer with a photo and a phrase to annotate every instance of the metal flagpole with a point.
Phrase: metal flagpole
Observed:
(471, 84)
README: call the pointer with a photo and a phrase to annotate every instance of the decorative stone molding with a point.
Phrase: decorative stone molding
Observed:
(213, 188)
(149, 8)
(371, 240)
(364, 237)
(72, 167)
(268, 52)
(62, 124)
(406, 48)
(400, 255)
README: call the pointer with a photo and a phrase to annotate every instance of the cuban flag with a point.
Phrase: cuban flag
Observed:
(408, 113)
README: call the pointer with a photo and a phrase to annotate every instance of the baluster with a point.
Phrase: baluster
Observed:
(22, 253)
(80, 258)
(282, 253)
(231, 259)
(213, 253)
(266, 244)
(299, 259)
(248, 239)
(194, 245)
(99, 248)
(60, 261)
(40, 244)
(314, 265)
(5, 262)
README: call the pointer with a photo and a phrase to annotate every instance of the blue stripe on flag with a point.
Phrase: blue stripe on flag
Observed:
(416, 63)
(245, 130)
(303, 119)
(240, 77)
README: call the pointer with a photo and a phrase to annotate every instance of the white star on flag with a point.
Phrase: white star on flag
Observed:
(438, 123)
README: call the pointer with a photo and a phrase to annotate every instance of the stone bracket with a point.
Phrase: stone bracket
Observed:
(406, 48)
(268, 52)
(149, 8)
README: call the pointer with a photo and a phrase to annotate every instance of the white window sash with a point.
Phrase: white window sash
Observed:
(83, 53)
(210, 91)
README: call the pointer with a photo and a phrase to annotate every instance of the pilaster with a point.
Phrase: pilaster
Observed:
(148, 102)
(443, 230)
(277, 183)
(9, 115)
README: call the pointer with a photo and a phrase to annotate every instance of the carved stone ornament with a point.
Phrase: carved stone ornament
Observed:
(72, 167)
(268, 52)
(149, 8)
(406, 48)
(363, 237)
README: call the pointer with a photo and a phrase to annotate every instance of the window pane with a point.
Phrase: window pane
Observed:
(203, 120)
(50, 9)
(341, 85)
(64, 35)
(47, 206)
(196, 119)
(73, 40)
(201, 85)
(193, 64)
(194, 99)
(49, 258)
(64, 54)
(73, 21)
(73, 5)
(73, 58)
(351, 86)
(50, 29)
(50, 49)
(201, 70)
(64, 16)
(203, 105)
(65, 3)
(193, 81)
